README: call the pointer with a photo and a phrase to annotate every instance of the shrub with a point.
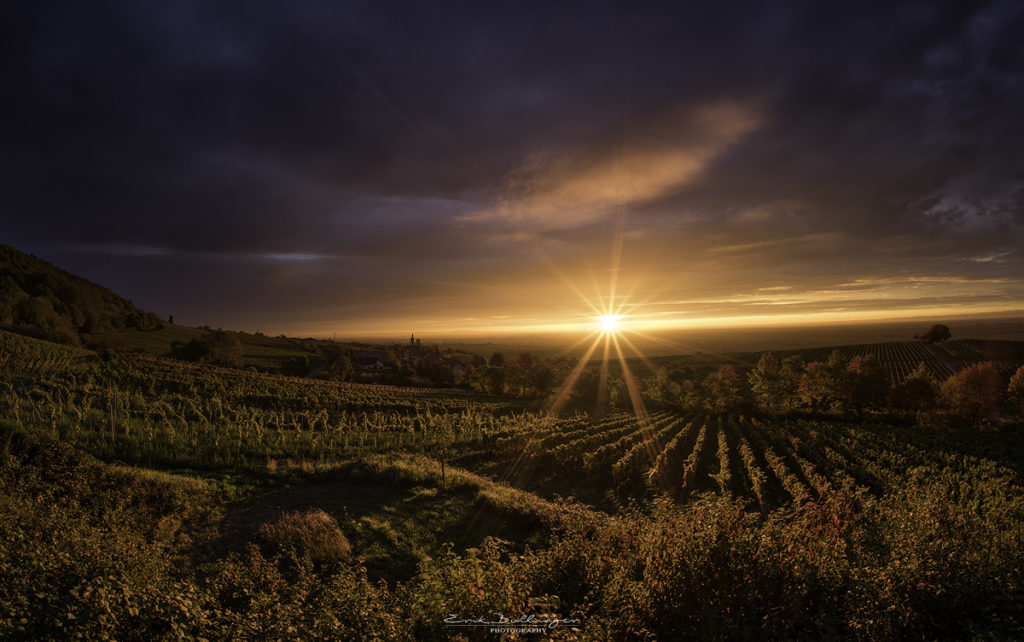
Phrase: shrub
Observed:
(312, 531)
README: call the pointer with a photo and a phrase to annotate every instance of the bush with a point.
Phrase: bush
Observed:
(312, 531)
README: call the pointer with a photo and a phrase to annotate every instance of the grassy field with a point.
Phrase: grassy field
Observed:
(258, 351)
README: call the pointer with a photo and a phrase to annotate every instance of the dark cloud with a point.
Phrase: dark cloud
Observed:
(224, 158)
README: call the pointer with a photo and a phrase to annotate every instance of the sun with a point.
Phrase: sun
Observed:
(609, 322)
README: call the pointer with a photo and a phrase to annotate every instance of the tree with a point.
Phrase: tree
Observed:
(774, 385)
(525, 361)
(823, 386)
(690, 399)
(917, 393)
(1015, 391)
(618, 393)
(497, 360)
(764, 382)
(194, 350)
(722, 389)
(588, 387)
(659, 389)
(937, 333)
(392, 360)
(517, 374)
(865, 384)
(816, 385)
(225, 348)
(342, 368)
(495, 380)
(789, 387)
(973, 393)
(110, 341)
(38, 315)
(542, 378)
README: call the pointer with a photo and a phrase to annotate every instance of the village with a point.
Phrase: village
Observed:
(412, 363)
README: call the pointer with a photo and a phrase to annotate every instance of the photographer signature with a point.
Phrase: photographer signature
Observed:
(501, 620)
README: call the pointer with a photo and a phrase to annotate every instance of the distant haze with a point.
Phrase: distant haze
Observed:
(756, 339)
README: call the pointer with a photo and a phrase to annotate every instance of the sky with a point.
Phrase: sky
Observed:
(461, 168)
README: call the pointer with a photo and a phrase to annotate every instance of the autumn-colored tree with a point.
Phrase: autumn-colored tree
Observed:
(821, 383)
(1015, 391)
(517, 376)
(973, 393)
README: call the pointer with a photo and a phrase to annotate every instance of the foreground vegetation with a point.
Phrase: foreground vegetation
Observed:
(150, 498)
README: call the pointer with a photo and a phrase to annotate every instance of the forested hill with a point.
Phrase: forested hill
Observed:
(42, 300)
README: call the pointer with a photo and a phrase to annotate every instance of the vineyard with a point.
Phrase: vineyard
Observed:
(419, 481)
(900, 358)
(767, 464)
(167, 413)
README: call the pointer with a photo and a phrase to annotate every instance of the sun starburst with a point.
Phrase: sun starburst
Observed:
(609, 322)
(609, 309)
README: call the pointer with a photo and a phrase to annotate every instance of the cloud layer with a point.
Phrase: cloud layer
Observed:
(349, 166)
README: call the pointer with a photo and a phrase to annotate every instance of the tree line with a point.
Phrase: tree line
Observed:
(856, 386)
(836, 386)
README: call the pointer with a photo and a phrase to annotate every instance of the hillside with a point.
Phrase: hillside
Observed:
(42, 300)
